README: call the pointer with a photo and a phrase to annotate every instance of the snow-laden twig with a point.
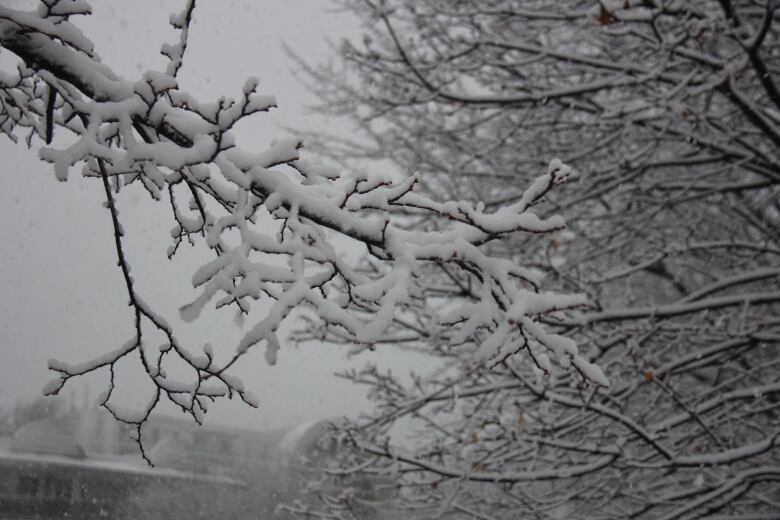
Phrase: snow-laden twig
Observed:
(248, 206)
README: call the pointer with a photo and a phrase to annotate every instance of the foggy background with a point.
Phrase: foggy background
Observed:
(61, 293)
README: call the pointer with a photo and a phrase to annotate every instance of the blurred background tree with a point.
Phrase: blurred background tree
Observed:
(669, 112)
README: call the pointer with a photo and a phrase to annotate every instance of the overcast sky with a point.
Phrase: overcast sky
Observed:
(61, 293)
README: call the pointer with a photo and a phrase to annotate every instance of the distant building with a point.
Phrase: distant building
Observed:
(180, 443)
(46, 474)
(84, 464)
(47, 436)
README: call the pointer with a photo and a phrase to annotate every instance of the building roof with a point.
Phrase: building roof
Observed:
(46, 436)
(127, 466)
(303, 437)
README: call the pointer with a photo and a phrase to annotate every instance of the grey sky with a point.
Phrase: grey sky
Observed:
(61, 293)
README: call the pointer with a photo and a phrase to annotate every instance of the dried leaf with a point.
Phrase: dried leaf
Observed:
(605, 17)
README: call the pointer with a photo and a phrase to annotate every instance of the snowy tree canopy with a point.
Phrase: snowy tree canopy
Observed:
(670, 112)
(269, 218)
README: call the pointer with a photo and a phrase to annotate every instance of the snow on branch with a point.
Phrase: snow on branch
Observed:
(670, 111)
(248, 206)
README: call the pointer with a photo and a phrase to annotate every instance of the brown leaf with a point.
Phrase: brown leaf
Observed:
(605, 17)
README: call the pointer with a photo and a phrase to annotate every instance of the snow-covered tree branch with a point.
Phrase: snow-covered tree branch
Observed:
(669, 110)
(269, 218)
